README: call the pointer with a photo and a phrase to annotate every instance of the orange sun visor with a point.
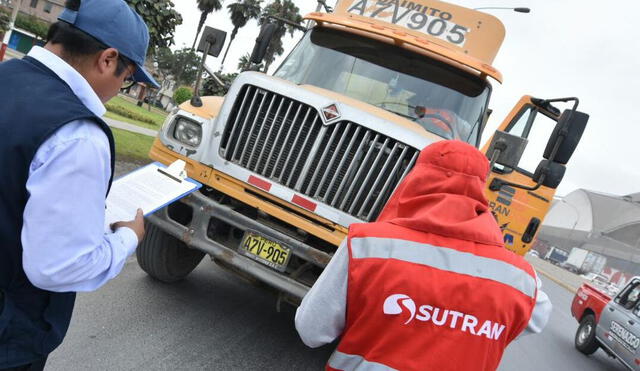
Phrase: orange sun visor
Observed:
(462, 35)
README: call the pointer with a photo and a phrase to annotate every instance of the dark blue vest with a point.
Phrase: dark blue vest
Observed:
(34, 103)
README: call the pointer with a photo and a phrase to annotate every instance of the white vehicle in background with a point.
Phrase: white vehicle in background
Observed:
(593, 276)
(581, 261)
(576, 259)
(601, 282)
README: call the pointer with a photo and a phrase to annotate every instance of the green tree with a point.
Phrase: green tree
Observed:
(161, 19)
(4, 22)
(241, 12)
(182, 94)
(32, 24)
(284, 9)
(244, 63)
(182, 65)
(212, 87)
(164, 58)
(206, 7)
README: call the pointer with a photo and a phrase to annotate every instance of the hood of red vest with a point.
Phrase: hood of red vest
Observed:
(444, 194)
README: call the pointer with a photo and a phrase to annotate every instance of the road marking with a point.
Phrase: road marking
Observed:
(560, 283)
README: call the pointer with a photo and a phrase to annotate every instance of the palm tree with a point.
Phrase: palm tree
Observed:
(244, 63)
(241, 12)
(206, 7)
(283, 9)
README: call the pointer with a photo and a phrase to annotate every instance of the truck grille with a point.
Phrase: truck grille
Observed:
(344, 165)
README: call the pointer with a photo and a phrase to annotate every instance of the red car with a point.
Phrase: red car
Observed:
(610, 323)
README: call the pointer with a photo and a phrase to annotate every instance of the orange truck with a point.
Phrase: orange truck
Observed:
(290, 160)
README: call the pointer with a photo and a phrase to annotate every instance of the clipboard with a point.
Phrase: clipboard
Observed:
(150, 188)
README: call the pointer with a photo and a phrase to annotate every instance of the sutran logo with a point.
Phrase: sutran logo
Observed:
(392, 305)
(450, 319)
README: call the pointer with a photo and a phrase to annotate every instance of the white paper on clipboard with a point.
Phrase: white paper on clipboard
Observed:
(150, 188)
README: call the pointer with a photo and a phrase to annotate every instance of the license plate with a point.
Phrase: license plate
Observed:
(265, 251)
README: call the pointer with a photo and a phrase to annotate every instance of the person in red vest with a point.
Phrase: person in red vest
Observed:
(429, 285)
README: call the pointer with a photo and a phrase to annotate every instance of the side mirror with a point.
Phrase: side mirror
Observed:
(566, 136)
(262, 42)
(553, 173)
(506, 149)
(211, 43)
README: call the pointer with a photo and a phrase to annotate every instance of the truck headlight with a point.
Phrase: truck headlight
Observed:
(187, 132)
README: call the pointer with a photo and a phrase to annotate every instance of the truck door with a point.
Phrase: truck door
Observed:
(619, 325)
(520, 212)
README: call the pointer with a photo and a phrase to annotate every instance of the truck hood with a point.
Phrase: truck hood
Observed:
(344, 172)
(396, 121)
(348, 109)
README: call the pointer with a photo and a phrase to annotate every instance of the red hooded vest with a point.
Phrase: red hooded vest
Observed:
(430, 285)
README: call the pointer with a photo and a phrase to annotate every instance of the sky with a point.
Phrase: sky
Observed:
(563, 48)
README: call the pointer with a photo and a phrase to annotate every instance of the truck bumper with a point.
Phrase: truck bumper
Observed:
(194, 234)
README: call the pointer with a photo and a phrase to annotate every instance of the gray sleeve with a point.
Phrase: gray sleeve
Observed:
(541, 312)
(321, 316)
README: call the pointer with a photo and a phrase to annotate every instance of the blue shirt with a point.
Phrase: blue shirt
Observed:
(65, 245)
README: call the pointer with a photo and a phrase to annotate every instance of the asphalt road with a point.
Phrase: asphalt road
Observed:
(553, 348)
(215, 321)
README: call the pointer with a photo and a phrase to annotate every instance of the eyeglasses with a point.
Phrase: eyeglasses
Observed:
(129, 81)
(126, 84)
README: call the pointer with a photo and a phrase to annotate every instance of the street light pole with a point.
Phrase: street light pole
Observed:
(519, 10)
(12, 21)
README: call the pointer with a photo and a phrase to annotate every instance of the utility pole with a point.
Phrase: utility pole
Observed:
(321, 4)
(12, 21)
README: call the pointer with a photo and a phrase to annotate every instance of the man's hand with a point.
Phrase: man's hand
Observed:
(136, 224)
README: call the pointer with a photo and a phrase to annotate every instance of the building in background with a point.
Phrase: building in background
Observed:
(606, 225)
(34, 19)
(45, 10)
(38, 15)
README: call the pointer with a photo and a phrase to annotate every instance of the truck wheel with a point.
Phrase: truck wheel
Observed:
(585, 340)
(164, 257)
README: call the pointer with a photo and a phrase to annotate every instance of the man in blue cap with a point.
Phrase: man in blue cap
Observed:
(57, 162)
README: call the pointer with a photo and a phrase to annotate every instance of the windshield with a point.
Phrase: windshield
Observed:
(442, 99)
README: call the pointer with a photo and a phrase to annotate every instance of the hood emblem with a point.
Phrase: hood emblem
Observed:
(330, 113)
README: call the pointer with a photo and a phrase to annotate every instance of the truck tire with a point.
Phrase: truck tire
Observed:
(585, 340)
(164, 257)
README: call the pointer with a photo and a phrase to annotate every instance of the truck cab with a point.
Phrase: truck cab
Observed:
(556, 256)
(612, 323)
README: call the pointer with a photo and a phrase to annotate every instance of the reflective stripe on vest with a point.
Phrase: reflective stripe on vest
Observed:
(444, 259)
(351, 362)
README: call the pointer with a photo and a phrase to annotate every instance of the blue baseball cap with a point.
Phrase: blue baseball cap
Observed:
(115, 24)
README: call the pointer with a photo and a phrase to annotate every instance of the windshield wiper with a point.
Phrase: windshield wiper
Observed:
(381, 105)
